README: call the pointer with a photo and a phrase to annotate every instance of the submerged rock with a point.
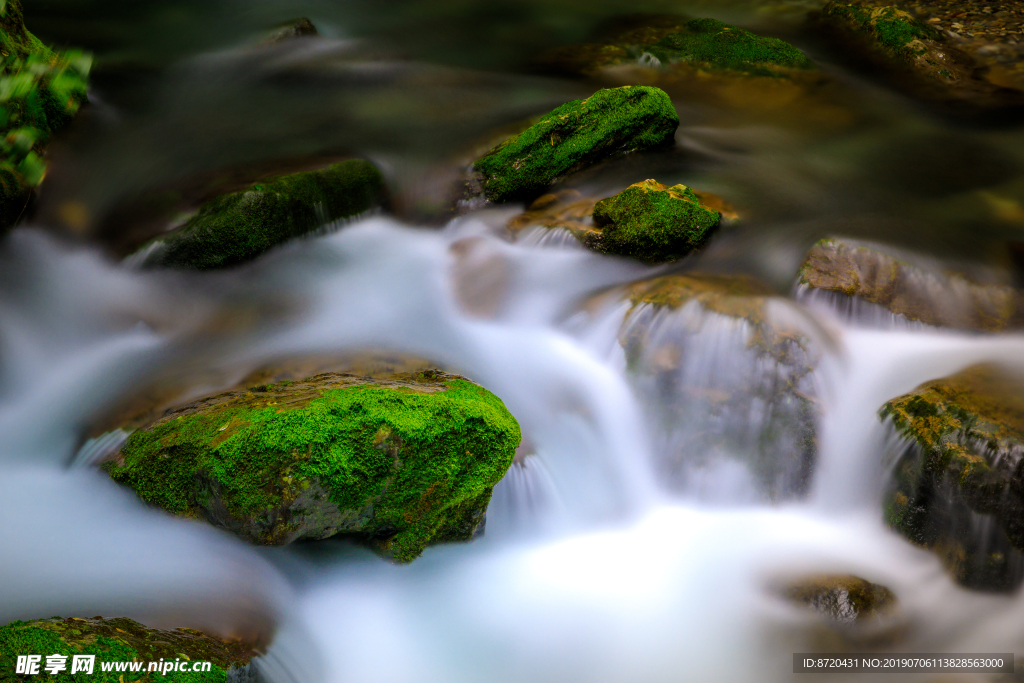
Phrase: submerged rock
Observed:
(402, 463)
(959, 477)
(727, 368)
(910, 45)
(574, 136)
(851, 269)
(42, 91)
(121, 640)
(239, 226)
(842, 597)
(677, 43)
(652, 223)
(297, 28)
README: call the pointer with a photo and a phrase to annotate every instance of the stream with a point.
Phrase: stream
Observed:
(607, 556)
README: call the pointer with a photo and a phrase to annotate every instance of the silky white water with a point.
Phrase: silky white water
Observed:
(592, 568)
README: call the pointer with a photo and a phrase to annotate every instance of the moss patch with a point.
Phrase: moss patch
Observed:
(889, 28)
(404, 463)
(575, 135)
(653, 223)
(117, 640)
(40, 91)
(240, 226)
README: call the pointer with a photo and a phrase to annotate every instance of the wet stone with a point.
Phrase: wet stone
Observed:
(843, 598)
(958, 473)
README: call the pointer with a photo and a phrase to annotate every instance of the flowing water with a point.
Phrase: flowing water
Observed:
(643, 534)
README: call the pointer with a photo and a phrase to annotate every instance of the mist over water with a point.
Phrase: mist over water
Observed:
(642, 534)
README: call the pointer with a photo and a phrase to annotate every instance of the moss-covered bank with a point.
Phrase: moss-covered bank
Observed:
(40, 91)
(116, 640)
(239, 226)
(967, 436)
(573, 136)
(403, 463)
(653, 223)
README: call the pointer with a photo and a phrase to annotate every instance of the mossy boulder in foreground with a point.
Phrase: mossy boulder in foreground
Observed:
(843, 598)
(119, 640)
(959, 485)
(403, 462)
(240, 226)
(40, 92)
(652, 222)
(573, 136)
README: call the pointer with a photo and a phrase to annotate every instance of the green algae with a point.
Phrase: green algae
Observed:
(405, 464)
(712, 44)
(116, 640)
(40, 92)
(575, 135)
(238, 227)
(653, 223)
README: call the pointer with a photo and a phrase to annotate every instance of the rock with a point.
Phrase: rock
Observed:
(930, 63)
(652, 223)
(297, 28)
(239, 226)
(41, 92)
(569, 210)
(402, 463)
(121, 640)
(670, 42)
(574, 136)
(727, 367)
(842, 597)
(959, 479)
(851, 269)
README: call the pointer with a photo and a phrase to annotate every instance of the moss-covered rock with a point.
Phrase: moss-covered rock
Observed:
(651, 222)
(573, 136)
(669, 42)
(239, 226)
(40, 91)
(728, 372)
(842, 597)
(921, 59)
(851, 269)
(403, 463)
(119, 640)
(963, 466)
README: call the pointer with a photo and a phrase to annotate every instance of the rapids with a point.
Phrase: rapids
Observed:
(596, 565)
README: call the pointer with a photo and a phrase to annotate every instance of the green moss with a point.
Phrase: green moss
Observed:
(653, 223)
(116, 640)
(40, 91)
(406, 464)
(710, 43)
(889, 28)
(240, 226)
(575, 135)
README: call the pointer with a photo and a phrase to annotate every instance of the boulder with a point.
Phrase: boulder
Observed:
(958, 484)
(916, 292)
(652, 223)
(574, 136)
(676, 43)
(727, 368)
(664, 233)
(400, 463)
(240, 226)
(121, 640)
(288, 31)
(921, 50)
(41, 90)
